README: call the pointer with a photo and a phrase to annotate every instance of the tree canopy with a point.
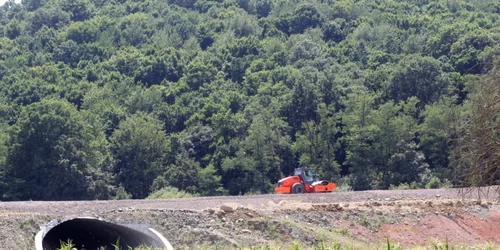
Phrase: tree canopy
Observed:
(122, 99)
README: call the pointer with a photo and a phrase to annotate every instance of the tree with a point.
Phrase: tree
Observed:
(140, 148)
(13, 29)
(183, 3)
(420, 77)
(304, 17)
(54, 154)
(478, 143)
(51, 17)
(262, 157)
(209, 182)
(135, 29)
(359, 134)
(318, 143)
(261, 7)
(380, 147)
(200, 71)
(302, 107)
(440, 43)
(465, 53)
(332, 31)
(80, 9)
(4, 138)
(435, 136)
(240, 92)
(33, 5)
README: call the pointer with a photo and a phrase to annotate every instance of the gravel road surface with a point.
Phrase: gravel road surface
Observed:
(82, 208)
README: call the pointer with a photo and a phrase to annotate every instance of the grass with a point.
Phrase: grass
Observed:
(26, 224)
(68, 245)
(390, 246)
(342, 246)
(342, 236)
(324, 245)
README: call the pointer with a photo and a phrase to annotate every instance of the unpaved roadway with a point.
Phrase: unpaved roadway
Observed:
(83, 208)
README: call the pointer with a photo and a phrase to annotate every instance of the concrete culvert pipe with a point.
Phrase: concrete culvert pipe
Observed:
(90, 233)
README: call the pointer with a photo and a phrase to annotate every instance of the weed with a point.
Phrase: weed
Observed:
(363, 221)
(273, 229)
(66, 245)
(25, 224)
(343, 231)
(296, 246)
(337, 246)
(321, 247)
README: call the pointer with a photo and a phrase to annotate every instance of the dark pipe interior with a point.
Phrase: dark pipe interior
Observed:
(93, 234)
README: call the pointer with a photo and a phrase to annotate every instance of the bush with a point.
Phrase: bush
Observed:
(170, 193)
(121, 194)
(405, 186)
(343, 184)
(435, 182)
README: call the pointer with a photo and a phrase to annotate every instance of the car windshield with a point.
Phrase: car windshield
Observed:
(298, 172)
(308, 175)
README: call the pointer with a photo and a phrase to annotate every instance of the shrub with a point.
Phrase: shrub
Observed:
(405, 186)
(343, 184)
(121, 194)
(170, 193)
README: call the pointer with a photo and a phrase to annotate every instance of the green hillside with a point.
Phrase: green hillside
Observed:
(118, 99)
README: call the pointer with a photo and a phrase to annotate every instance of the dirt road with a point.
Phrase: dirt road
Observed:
(410, 217)
(83, 208)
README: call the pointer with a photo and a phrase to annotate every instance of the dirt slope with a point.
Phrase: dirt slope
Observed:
(356, 218)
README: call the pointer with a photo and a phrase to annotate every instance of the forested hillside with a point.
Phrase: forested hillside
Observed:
(117, 99)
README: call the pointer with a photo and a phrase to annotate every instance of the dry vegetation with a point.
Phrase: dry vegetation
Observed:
(479, 145)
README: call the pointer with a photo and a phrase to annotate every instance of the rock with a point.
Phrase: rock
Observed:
(246, 231)
(211, 211)
(220, 213)
(249, 215)
(120, 210)
(437, 195)
(436, 213)
(295, 233)
(226, 209)
(387, 199)
(192, 222)
(223, 219)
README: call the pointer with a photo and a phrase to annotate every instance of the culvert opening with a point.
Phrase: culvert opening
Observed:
(88, 233)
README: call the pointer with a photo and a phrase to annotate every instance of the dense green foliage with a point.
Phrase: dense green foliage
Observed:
(119, 99)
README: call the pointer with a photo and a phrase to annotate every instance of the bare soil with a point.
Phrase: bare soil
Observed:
(361, 219)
